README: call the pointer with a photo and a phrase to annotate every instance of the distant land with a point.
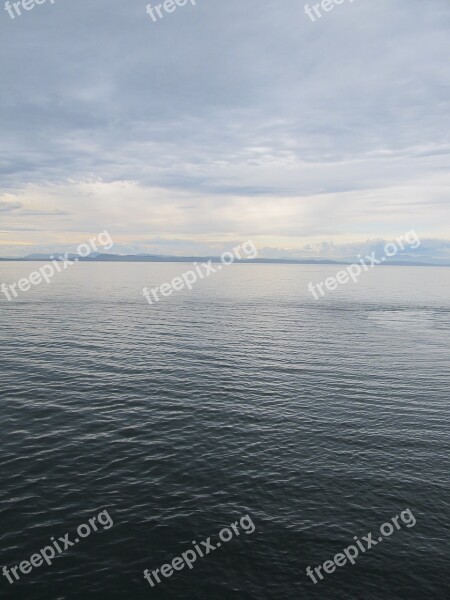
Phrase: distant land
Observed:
(96, 257)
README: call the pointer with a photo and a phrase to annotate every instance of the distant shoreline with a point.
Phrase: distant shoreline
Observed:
(215, 259)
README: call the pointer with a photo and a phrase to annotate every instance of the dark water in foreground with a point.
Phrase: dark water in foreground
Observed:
(320, 420)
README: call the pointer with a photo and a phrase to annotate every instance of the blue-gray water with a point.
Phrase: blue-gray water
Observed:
(320, 419)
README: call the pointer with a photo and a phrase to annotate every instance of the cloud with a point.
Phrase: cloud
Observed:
(432, 250)
(6, 206)
(229, 120)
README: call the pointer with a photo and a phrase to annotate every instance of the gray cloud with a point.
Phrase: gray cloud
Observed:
(9, 206)
(224, 105)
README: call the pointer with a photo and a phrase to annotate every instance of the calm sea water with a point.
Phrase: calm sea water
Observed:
(320, 419)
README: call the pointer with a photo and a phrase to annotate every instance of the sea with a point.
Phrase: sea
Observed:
(243, 400)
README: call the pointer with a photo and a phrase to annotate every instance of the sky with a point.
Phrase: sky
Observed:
(223, 122)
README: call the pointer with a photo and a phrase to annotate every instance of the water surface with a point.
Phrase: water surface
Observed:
(319, 419)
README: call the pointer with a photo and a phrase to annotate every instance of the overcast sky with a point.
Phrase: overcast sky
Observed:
(225, 121)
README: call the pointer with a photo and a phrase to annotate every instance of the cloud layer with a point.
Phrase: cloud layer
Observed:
(224, 121)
